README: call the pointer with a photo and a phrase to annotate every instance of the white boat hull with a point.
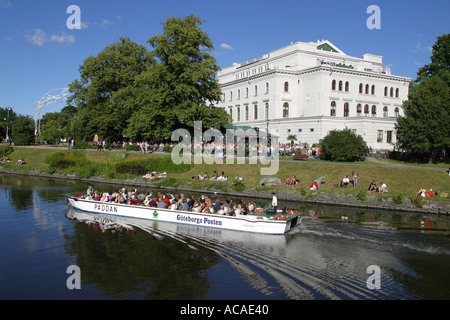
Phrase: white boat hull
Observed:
(246, 223)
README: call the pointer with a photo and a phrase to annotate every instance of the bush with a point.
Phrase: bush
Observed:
(343, 145)
(362, 195)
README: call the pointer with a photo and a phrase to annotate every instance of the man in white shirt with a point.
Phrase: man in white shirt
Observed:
(274, 202)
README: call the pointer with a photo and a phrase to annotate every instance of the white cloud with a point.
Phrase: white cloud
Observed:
(420, 48)
(39, 37)
(226, 46)
(5, 3)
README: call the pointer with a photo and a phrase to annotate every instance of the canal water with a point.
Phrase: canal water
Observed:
(335, 254)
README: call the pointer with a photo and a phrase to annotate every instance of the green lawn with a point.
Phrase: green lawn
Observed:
(406, 181)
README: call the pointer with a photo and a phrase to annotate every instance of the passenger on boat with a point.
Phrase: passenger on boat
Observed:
(184, 206)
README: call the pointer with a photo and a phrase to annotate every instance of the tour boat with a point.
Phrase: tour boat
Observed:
(279, 224)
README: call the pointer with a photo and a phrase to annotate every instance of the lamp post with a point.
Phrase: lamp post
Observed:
(7, 127)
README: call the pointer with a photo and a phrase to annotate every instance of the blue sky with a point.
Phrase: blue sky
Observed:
(39, 53)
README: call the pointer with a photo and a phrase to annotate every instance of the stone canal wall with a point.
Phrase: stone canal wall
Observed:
(373, 201)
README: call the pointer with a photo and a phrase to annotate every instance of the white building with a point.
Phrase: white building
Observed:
(308, 89)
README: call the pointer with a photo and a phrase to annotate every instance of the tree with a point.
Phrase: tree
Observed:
(424, 130)
(440, 61)
(343, 145)
(23, 130)
(181, 87)
(97, 95)
(292, 137)
(52, 131)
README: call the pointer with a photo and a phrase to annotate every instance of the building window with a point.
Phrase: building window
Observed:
(346, 86)
(340, 85)
(392, 92)
(286, 110)
(389, 137)
(256, 111)
(267, 110)
(385, 112)
(396, 112)
(380, 136)
(288, 130)
(256, 91)
(231, 95)
(246, 113)
(366, 110)
(231, 114)
(385, 91)
(333, 109)
(396, 93)
(367, 89)
(286, 86)
(311, 130)
(246, 92)
(223, 97)
(239, 114)
(238, 94)
(299, 130)
(333, 85)
(374, 110)
(346, 109)
(358, 109)
(373, 90)
(267, 87)
(360, 88)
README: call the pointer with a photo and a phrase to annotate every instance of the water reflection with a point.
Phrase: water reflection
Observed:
(325, 258)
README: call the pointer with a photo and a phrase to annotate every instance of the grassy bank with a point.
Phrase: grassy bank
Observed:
(404, 182)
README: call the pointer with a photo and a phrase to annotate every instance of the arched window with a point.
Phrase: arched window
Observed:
(267, 110)
(385, 91)
(392, 92)
(374, 110)
(360, 88)
(367, 89)
(366, 110)
(340, 85)
(286, 86)
(358, 109)
(256, 111)
(396, 112)
(346, 86)
(396, 93)
(385, 111)
(346, 109)
(333, 85)
(333, 109)
(373, 90)
(286, 110)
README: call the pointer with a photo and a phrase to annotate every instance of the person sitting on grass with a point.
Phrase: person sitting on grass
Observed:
(382, 188)
(20, 162)
(314, 185)
(372, 187)
(345, 182)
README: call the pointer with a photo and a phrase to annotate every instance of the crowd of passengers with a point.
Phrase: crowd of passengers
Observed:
(202, 204)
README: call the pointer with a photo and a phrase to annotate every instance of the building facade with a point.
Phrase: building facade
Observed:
(308, 89)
